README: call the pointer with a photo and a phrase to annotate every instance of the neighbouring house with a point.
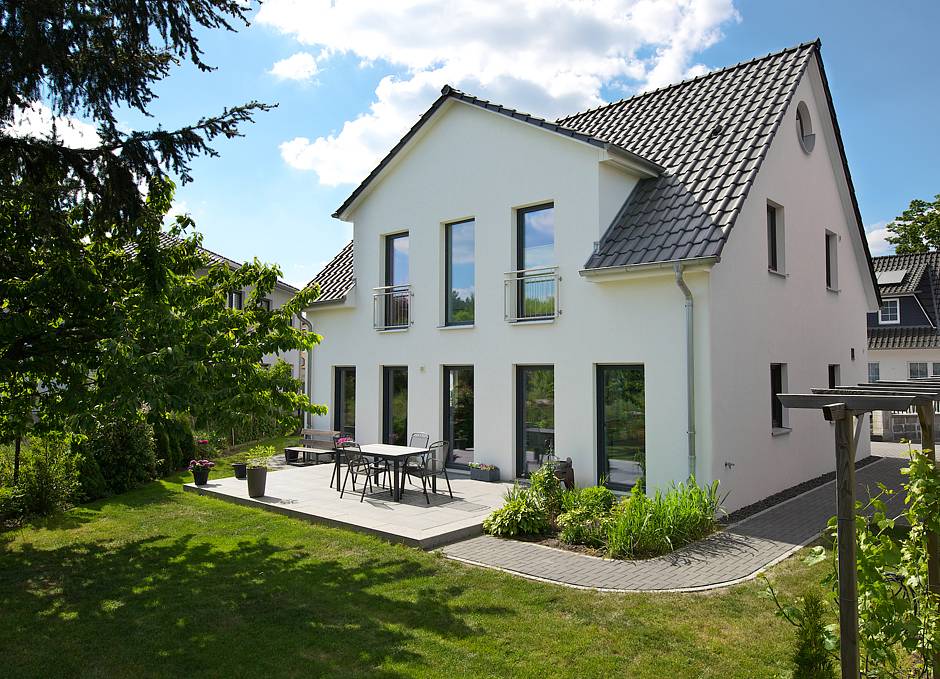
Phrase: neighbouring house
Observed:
(282, 293)
(903, 340)
(628, 286)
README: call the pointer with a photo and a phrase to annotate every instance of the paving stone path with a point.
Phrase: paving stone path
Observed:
(735, 554)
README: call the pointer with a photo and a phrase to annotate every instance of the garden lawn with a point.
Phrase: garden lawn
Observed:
(158, 583)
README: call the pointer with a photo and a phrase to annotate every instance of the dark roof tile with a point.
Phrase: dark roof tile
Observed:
(336, 279)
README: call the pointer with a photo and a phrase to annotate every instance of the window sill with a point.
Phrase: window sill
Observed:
(386, 330)
(540, 321)
(780, 431)
(835, 290)
(457, 326)
(779, 274)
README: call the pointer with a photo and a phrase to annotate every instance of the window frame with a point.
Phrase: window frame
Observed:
(911, 364)
(776, 239)
(518, 397)
(339, 393)
(835, 375)
(778, 424)
(877, 377)
(445, 424)
(832, 261)
(897, 306)
(601, 426)
(232, 296)
(449, 271)
(387, 397)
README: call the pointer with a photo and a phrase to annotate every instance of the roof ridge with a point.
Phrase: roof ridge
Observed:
(748, 62)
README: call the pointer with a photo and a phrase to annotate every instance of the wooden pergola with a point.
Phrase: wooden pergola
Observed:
(845, 406)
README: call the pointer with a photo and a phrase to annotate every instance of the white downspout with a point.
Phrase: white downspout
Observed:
(690, 364)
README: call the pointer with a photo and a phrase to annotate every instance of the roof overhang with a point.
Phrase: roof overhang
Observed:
(611, 273)
(627, 160)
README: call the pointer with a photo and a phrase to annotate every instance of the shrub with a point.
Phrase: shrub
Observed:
(521, 514)
(546, 491)
(643, 526)
(584, 526)
(124, 452)
(598, 499)
(48, 477)
(811, 657)
(175, 442)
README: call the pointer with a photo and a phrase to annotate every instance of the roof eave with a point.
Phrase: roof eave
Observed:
(628, 160)
(626, 270)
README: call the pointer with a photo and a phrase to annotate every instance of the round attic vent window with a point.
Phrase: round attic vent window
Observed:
(804, 127)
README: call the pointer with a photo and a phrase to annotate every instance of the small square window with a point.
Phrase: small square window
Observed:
(916, 370)
(266, 304)
(935, 370)
(235, 299)
(890, 312)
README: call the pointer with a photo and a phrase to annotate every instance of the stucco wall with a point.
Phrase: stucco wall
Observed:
(471, 163)
(760, 318)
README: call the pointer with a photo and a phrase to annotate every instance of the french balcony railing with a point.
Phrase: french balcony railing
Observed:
(532, 294)
(391, 307)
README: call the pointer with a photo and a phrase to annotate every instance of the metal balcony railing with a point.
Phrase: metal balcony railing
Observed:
(391, 307)
(532, 294)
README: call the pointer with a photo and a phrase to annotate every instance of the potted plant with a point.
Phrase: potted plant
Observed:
(200, 470)
(484, 472)
(241, 469)
(258, 469)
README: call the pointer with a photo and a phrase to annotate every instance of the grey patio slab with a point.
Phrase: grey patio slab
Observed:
(304, 493)
(733, 555)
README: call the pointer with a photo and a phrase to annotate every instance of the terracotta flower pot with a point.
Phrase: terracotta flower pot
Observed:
(257, 477)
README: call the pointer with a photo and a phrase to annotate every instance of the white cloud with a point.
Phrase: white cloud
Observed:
(877, 233)
(548, 57)
(301, 66)
(37, 120)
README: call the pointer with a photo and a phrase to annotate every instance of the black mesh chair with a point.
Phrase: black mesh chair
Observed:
(338, 440)
(431, 465)
(356, 464)
(419, 440)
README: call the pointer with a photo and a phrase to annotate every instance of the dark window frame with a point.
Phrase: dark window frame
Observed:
(339, 400)
(521, 371)
(449, 271)
(387, 393)
(600, 423)
(520, 253)
(445, 425)
(835, 370)
(240, 296)
(773, 256)
(777, 419)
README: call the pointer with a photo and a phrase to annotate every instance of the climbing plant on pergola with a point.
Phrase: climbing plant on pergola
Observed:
(846, 406)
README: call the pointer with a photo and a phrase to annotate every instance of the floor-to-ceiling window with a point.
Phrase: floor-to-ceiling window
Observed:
(535, 416)
(535, 254)
(397, 294)
(344, 401)
(458, 413)
(395, 405)
(621, 425)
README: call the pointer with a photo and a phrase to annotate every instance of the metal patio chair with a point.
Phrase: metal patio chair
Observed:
(419, 439)
(431, 464)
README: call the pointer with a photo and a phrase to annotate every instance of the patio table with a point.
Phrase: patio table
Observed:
(394, 454)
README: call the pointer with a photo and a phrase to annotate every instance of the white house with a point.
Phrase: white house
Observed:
(628, 286)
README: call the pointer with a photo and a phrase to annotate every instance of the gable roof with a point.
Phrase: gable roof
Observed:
(706, 138)
(166, 240)
(336, 279)
(448, 93)
(922, 280)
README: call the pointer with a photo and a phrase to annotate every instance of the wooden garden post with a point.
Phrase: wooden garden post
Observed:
(925, 415)
(845, 513)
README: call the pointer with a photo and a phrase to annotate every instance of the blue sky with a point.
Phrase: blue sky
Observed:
(367, 70)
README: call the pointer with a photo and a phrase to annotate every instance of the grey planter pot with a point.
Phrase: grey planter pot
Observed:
(257, 478)
(490, 475)
(241, 469)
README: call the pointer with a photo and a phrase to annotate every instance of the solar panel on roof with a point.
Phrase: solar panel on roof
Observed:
(891, 277)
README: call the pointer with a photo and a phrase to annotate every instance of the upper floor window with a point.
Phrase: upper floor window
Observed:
(775, 240)
(535, 248)
(889, 312)
(459, 272)
(874, 372)
(266, 305)
(804, 127)
(396, 259)
(916, 370)
(832, 261)
(236, 299)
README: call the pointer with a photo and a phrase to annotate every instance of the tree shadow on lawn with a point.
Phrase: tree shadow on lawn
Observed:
(174, 606)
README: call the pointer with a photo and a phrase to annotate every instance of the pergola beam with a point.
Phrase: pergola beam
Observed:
(857, 403)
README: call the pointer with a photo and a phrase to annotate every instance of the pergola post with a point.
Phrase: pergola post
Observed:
(845, 513)
(926, 417)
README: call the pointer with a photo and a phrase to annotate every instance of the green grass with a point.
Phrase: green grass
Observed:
(158, 582)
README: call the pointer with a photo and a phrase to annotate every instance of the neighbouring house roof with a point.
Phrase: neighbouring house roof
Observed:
(166, 240)
(336, 279)
(447, 93)
(706, 138)
(922, 280)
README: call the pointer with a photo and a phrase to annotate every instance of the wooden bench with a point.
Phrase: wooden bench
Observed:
(314, 444)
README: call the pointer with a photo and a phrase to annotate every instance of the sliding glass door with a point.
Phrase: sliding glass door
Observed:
(621, 425)
(458, 414)
(535, 416)
(344, 401)
(395, 405)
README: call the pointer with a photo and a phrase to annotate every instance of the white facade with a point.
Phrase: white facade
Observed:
(470, 163)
